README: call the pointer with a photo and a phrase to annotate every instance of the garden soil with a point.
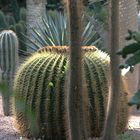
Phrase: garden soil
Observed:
(7, 127)
(9, 132)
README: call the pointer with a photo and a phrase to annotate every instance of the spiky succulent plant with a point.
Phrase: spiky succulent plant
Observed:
(55, 32)
(40, 93)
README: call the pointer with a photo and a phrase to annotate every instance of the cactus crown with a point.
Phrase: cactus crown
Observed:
(40, 87)
(65, 49)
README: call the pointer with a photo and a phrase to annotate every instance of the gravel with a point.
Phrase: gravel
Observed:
(9, 132)
(7, 126)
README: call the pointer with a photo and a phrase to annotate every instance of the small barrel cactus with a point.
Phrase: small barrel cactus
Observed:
(40, 93)
(8, 63)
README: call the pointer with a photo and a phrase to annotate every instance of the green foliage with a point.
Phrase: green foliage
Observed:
(8, 22)
(135, 100)
(3, 87)
(98, 8)
(20, 30)
(133, 50)
(53, 1)
(41, 85)
(8, 62)
(55, 32)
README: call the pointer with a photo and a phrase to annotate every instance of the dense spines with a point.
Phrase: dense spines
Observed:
(41, 84)
(8, 51)
(8, 62)
(122, 108)
(91, 96)
(98, 88)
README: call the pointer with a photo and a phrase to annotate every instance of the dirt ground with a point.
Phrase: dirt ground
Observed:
(9, 132)
(134, 125)
(7, 129)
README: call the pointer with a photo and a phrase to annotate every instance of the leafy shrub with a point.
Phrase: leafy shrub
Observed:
(131, 54)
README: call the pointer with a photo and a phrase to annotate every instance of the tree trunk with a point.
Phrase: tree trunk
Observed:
(35, 11)
(75, 97)
(110, 126)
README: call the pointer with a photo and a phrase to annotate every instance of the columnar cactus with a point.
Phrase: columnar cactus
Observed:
(3, 23)
(8, 63)
(40, 93)
(20, 30)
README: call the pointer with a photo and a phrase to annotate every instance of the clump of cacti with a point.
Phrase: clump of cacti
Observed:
(8, 63)
(8, 22)
(40, 93)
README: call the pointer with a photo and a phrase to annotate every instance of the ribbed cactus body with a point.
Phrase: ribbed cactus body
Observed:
(40, 90)
(10, 20)
(20, 30)
(3, 23)
(8, 62)
(23, 14)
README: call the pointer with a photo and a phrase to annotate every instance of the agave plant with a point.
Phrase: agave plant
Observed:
(55, 32)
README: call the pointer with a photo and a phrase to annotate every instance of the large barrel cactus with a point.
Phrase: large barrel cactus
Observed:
(8, 63)
(40, 93)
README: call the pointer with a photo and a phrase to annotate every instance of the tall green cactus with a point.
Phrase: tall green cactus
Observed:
(8, 63)
(15, 10)
(20, 30)
(40, 93)
(23, 14)
(10, 20)
(3, 23)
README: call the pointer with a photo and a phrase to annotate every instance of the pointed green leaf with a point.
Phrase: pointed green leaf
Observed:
(133, 60)
(135, 100)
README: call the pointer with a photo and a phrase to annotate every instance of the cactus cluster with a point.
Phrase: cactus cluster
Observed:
(9, 22)
(40, 93)
(8, 62)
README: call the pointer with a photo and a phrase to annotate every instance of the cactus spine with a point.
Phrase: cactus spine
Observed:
(40, 91)
(8, 63)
